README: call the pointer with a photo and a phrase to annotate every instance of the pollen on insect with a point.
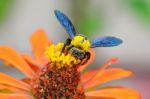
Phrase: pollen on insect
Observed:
(82, 42)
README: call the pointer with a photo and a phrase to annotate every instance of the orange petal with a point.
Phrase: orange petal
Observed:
(12, 89)
(92, 55)
(26, 80)
(106, 76)
(35, 65)
(10, 81)
(90, 74)
(39, 41)
(108, 63)
(114, 93)
(11, 56)
(15, 96)
(97, 97)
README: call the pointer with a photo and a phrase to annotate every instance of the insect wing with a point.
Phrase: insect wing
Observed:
(107, 41)
(66, 23)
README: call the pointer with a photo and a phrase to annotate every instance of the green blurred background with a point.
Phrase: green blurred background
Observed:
(126, 19)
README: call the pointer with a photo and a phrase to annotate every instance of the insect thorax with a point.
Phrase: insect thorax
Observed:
(80, 41)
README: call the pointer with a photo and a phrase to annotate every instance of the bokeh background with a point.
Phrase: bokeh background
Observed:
(126, 19)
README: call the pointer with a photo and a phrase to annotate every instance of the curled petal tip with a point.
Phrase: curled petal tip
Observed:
(113, 60)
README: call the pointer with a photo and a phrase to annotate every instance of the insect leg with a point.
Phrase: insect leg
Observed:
(68, 41)
(86, 58)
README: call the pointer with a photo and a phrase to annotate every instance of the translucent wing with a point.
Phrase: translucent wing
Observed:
(66, 23)
(107, 41)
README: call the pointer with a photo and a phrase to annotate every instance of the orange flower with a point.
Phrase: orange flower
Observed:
(12, 88)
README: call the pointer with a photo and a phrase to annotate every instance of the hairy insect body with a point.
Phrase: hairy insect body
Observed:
(77, 47)
(77, 53)
(81, 41)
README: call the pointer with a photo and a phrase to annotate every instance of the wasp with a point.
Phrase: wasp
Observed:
(77, 44)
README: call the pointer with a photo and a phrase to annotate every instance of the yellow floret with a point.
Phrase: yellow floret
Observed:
(53, 53)
(82, 42)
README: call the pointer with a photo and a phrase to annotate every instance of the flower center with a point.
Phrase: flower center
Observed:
(58, 83)
(60, 79)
